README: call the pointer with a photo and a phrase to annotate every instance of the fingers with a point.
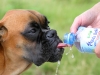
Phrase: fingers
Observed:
(97, 50)
(76, 24)
(89, 26)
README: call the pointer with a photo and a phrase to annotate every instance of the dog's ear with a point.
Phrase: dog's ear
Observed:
(3, 32)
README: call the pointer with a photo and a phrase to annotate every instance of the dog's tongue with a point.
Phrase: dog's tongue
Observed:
(60, 45)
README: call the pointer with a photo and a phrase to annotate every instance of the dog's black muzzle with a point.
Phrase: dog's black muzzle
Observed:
(45, 50)
(50, 40)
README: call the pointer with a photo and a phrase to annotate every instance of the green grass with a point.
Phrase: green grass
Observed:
(61, 14)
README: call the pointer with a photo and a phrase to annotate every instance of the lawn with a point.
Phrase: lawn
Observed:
(61, 14)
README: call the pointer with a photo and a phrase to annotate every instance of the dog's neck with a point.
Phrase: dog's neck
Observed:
(9, 66)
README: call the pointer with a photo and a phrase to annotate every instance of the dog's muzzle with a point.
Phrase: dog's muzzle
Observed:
(49, 46)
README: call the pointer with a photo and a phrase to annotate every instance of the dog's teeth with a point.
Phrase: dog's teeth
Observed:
(60, 45)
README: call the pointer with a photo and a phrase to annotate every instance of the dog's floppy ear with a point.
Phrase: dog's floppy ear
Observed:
(3, 32)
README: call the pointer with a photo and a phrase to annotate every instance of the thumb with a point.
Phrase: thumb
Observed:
(97, 50)
(76, 24)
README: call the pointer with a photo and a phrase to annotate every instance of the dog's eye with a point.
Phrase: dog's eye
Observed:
(32, 30)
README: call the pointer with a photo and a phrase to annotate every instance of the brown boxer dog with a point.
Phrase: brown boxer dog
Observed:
(26, 38)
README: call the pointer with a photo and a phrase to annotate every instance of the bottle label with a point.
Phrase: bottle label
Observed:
(88, 38)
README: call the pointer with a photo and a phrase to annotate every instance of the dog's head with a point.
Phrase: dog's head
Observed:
(26, 34)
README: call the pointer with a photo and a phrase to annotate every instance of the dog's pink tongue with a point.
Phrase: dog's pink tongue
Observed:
(60, 45)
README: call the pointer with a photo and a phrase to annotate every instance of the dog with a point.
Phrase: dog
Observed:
(26, 38)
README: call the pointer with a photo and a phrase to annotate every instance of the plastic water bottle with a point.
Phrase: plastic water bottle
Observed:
(85, 39)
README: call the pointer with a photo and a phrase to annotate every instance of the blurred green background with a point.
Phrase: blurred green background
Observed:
(61, 14)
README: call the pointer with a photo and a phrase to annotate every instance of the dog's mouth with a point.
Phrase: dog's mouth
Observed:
(57, 54)
(51, 51)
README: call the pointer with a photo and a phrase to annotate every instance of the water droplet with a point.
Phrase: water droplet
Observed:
(57, 67)
(70, 48)
(72, 56)
(66, 53)
(70, 52)
(58, 62)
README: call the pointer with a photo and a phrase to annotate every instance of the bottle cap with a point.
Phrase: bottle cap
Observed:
(69, 38)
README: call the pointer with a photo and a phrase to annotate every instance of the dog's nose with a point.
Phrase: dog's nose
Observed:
(51, 34)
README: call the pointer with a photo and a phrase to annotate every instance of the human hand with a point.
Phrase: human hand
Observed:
(90, 18)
